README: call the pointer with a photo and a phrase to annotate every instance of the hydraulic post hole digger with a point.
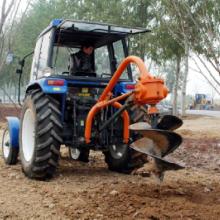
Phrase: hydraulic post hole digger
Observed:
(157, 138)
(104, 110)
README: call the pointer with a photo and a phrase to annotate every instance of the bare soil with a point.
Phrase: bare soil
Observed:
(91, 191)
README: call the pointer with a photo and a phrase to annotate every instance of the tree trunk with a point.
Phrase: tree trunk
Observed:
(186, 70)
(175, 90)
(3, 93)
(15, 96)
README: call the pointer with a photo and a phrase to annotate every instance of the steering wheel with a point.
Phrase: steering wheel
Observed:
(106, 74)
(65, 73)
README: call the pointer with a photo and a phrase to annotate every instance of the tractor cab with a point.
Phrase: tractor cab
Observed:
(65, 37)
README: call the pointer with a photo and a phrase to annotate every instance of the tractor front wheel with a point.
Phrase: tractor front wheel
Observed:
(40, 135)
(79, 154)
(9, 153)
(121, 158)
(117, 157)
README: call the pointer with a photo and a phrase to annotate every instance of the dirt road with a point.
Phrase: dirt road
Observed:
(90, 191)
(204, 112)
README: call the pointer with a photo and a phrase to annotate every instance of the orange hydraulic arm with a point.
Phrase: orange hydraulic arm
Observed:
(148, 90)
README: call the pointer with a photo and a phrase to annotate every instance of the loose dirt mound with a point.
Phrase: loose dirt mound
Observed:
(200, 127)
(8, 110)
(90, 191)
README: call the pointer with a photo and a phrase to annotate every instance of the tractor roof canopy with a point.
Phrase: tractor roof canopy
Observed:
(74, 33)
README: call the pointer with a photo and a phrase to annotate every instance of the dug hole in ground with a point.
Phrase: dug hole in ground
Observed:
(91, 191)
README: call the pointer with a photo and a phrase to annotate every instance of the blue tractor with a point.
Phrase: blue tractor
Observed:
(88, 110)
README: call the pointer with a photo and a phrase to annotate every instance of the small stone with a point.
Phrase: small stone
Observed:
(113, 193)
(115, 182)
(66, 205)
(79, 211)
(17, 177)
(96, 205)
(91, 196)
(51, 206)
(2, 202)
(136, 214)
(99, 209)
(181, 192)
(99, 215)
(206, 189)
(12, 175)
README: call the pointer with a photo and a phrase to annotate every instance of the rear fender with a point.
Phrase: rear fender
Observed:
(13, 127)
(59, 90)
(48, 89)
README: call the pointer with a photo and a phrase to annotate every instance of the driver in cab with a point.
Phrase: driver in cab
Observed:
(82, 61)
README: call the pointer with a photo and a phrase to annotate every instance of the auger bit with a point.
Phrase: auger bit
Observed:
(158, 139)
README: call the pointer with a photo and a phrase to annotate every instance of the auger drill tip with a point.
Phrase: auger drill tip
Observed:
(157, 143)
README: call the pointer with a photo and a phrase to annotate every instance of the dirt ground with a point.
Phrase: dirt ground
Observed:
(90, 191)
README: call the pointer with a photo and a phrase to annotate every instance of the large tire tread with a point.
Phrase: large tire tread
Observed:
(47, 136)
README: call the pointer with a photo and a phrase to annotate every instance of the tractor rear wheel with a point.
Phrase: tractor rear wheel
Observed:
(121, 158)
(40, 137)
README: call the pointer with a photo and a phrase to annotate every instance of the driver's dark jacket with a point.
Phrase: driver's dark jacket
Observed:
(80, 62)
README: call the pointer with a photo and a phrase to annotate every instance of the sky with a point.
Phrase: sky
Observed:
(196, 83)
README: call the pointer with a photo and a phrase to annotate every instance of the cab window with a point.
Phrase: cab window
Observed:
(102, 64)
(119, 56)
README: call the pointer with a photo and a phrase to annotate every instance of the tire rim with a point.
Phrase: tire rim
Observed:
(6, 144)
(74, 153)
(28, 135)
(117, 151)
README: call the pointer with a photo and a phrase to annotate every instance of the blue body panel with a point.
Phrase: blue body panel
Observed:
(48, 89)
(120, 88)
(14, 126)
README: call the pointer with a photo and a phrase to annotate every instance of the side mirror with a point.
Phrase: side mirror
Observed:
(18, 71)
(9, 58)
(21, 62)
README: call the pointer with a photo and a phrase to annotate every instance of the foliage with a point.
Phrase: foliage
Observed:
(174, 23)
